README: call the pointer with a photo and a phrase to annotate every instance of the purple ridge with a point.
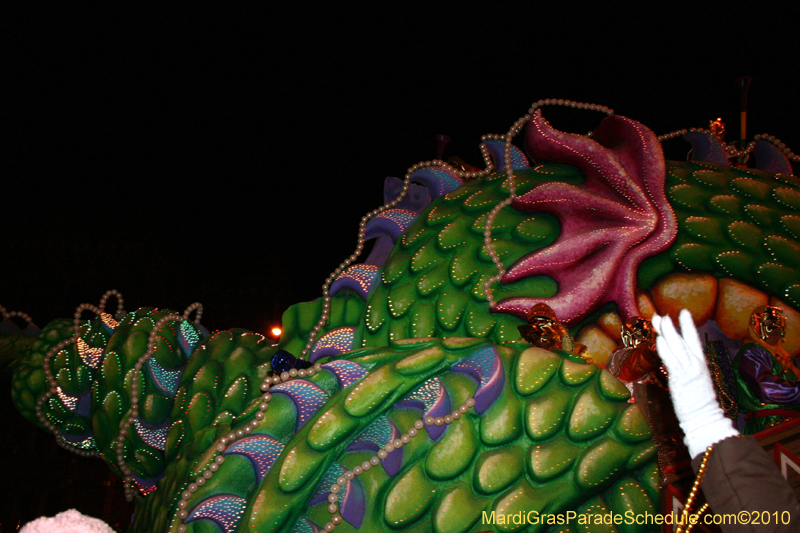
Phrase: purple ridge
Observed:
(392, 222)
(307, 397)
(416, 199)
(707, 147)
(346, 372)
(432, 399)
(496, 150)
(153, 437)
(166, 381)
(771, 159)
(609, 224)
(188, 338)
(357, 278)
(225, 510)
(261, 450)
(374, 438)
(438, 180)
(485, 367)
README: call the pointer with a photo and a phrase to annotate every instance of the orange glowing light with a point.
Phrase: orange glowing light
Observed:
(276, 331)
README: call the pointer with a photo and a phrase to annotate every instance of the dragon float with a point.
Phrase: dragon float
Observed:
(421, 408)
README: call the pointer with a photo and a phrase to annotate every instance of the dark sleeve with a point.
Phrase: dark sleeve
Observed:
(755, 368)
(740, 476)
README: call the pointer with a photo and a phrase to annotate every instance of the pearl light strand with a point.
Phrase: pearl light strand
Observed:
(224, 442)
(128, 481)
(52, 385)
(512, 191)
(11, 314)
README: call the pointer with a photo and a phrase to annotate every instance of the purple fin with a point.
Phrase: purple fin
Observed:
(432, 399)
(225, 510)
(771, 159)
(153, 437)
(416, 199)
(496, 149)
(485, 367)
(166, 381)
(438, 180)
(707, 147)
(357, 278)
(346, 372)
(307, 397)
(335, 342)
(262, 450)
(392, 222)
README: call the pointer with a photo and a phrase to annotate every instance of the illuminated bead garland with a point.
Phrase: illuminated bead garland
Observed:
(11, 314)
(223, 443)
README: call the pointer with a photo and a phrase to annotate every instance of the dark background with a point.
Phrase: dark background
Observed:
(225, 156)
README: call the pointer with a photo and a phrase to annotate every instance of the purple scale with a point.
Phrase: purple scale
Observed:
(261, 450)
(496, 149)
(438, 180)
(376, 436)
(155, 437)
(346, 372)
(188, 338)
(335, 342)
(166, 381)
(225, 510)
(358, 278)
(485, 367)
(432, 399)
(306, 396)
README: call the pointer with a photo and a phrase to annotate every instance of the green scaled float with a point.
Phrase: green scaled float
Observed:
(421, 408)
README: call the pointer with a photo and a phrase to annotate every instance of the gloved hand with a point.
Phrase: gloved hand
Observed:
(702, 419)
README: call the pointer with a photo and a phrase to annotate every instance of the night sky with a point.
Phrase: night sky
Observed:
(225, 156)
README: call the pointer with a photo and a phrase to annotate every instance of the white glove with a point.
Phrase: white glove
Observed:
(696, 406)
(67, 522)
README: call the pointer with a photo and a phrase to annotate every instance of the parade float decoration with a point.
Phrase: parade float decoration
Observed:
(404, 399)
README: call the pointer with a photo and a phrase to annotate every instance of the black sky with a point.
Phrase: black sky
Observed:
(226, 155)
